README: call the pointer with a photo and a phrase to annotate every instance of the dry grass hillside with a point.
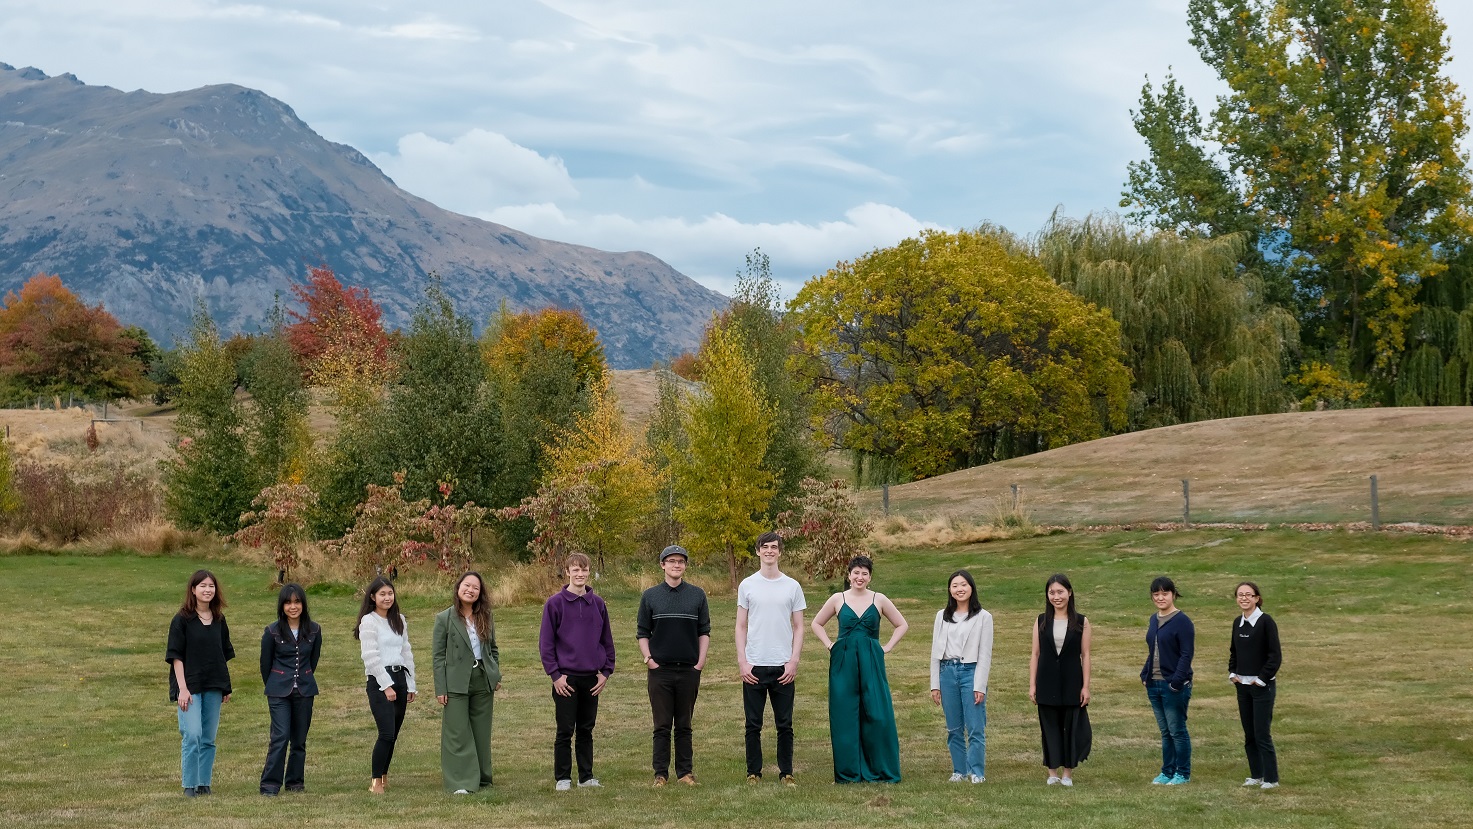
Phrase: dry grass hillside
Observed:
(1307, 466)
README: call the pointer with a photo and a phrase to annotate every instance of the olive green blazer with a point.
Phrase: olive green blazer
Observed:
(454, 659)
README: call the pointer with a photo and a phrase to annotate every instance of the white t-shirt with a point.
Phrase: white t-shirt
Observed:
(770, 604)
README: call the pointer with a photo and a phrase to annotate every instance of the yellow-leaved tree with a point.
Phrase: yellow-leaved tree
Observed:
(722, 489)
(602, 451)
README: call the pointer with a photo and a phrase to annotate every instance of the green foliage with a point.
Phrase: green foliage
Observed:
(770, 338)
(666, 440)
(1198, 338)
(1336, 149)
(722, 488)
(211, 480)
(956, 349)
(1441, 329)
(276, 421)
(825, 528)
(559, 512)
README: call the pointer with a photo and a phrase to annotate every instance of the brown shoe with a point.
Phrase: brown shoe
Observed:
(376, 786)
(789, 781)
(659, 782)
(754, 778)
(689, 780)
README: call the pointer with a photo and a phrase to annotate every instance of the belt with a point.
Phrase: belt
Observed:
(394, 669)
(953, 662)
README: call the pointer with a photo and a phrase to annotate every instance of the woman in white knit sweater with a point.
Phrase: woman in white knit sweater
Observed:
(961, 659)
(383, 637)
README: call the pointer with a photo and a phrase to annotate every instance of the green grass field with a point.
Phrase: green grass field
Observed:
(1373, 724)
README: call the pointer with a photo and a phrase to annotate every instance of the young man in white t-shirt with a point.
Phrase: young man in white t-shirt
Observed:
(769, 639)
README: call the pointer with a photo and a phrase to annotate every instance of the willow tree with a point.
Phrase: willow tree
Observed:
(1336, 146)
(1198, 337)
(956, 349)
(1435, 370)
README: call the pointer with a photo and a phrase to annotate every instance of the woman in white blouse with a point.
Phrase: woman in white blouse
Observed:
(961, 659)
(383, 636)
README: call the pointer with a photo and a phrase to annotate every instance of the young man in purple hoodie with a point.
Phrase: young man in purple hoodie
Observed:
(578, 654)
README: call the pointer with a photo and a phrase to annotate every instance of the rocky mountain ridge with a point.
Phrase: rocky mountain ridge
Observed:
(151, 203)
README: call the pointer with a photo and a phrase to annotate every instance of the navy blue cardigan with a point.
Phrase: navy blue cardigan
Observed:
(1177, 640)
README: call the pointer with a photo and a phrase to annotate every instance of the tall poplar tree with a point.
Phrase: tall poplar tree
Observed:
(722, 488)
(1336, 148)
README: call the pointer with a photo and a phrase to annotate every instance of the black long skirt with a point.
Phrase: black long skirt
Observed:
(1066, 735)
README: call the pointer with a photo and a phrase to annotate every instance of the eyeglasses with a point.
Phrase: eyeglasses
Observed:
(1247, 595)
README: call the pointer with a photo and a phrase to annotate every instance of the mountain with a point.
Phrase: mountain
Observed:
(150, 202)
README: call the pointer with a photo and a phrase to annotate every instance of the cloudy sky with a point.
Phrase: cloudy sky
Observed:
(816, 129)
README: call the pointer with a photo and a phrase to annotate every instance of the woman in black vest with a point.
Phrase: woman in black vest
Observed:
(290, 648)
(1253, 663)
(1058, 681)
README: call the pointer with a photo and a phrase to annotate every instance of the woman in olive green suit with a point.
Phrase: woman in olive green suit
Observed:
(467, 673)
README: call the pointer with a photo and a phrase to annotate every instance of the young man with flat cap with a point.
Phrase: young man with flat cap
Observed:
(674, 632)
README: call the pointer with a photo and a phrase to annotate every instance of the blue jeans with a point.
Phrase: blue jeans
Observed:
(197, 728)
(966, 721)
(1170, 708)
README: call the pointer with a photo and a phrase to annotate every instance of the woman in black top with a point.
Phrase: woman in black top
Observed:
(1058, 681)
(290, 649)
(199, 680)
(1253, 663)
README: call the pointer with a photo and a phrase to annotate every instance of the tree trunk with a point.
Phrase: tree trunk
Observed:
(731, 564)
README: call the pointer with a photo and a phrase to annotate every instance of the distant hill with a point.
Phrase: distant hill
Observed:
(148, 202)
(1296, 467)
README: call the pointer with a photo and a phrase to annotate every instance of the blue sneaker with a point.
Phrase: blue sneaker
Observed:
(1161, 780)
(1178, 780)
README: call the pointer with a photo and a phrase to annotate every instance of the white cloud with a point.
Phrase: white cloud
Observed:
(709, 248)
(476, 170)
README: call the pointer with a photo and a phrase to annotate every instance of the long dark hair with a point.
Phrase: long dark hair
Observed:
(1257, 592)
(396, 619)
(217, 604)
(973, 604)
(1048, 609)
(480, 608)
(858, 561)
(289, 592)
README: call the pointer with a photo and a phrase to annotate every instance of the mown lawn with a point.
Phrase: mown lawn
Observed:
(1374, 717)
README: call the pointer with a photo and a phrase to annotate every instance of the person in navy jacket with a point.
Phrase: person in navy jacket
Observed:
(1167, 675)
(290, 649)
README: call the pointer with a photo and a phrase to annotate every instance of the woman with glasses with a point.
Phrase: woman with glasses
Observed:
(1253, 663)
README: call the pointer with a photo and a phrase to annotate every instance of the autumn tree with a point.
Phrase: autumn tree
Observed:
(211, 480)
(825, 528)
(770, 337)
(1335, 149)
(541, 366)
(1198, 337)
(52, 343)
(603, 450)
(956, 349)
(339, 338)
(723, 491)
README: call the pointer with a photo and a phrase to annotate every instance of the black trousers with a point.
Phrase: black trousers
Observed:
(754, 700)
(576, 714)
(673, 690)
(286, 754)
(389, 717)
(1256, 711)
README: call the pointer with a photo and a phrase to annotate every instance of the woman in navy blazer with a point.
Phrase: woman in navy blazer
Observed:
(290, 649)
(1167, 675)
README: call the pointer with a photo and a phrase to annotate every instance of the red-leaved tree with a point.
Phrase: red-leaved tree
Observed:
(339, 334)
(52, 343)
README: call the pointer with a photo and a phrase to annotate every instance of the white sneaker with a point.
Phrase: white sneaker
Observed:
(461, 791)
(1066, 781)
(956, 778)
(1269, 786)
(977, 778)
(1252, 781)
(590, 783)
(564, 785)
(1051, 781)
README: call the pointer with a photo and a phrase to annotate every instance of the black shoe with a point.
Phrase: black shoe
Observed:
(301, 787)
(268, 793)
(190, 791)
(201, 789)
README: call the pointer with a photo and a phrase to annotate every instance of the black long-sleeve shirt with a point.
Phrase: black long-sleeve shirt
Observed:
(674, 619)
(1255, 648)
